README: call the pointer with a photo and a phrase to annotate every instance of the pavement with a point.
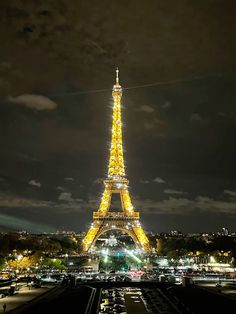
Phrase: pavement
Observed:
(23, 296)
(203, 301)
(225, 289)
(59, 300)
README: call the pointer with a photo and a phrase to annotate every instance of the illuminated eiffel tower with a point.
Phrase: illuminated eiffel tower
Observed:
(126, 220)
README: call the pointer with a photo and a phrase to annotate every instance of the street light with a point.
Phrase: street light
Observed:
(18, 259)
(66, 256)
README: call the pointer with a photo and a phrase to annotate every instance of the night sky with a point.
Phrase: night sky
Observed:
(179, 134)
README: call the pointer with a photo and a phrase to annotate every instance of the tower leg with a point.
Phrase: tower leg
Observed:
(142, 238)
(90, 237)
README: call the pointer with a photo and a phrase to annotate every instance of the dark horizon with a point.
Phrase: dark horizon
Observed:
(145, 223)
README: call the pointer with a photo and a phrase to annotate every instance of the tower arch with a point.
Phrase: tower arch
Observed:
(127, 231)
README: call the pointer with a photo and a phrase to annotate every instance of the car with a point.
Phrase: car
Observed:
(119, 301)
(12, 290)
(36, 284)
(48, 279)
(118, 307)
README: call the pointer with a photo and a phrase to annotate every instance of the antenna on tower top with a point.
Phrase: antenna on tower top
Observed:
(117, 76)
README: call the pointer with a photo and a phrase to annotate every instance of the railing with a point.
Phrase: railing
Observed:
(91, 300)
(115, 215)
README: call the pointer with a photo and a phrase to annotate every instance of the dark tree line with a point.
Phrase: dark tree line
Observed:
(182, 246)
(48, 245)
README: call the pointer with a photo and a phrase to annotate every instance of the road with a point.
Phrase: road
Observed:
(134, 302)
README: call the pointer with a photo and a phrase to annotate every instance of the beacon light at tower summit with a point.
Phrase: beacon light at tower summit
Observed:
(116, 182)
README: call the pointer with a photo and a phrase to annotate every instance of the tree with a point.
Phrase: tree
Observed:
(159, 243)
(19, 263)
(2, 263)
(53, 263)
(4, 245)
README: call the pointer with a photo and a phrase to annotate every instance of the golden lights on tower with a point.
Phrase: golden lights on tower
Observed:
(116, 162)
(127, 219)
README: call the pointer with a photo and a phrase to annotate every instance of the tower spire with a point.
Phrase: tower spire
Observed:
(116, 168)
(117, 76)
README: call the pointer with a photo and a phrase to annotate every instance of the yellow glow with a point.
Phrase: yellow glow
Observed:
(116, 162)
(89, 238)
(142, 238)
(126, 220)
(212, 259)
(105, 202)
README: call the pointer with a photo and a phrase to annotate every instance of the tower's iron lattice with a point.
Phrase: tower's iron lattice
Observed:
(126, 220)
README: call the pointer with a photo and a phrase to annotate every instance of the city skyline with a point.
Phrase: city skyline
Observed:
(179, 113)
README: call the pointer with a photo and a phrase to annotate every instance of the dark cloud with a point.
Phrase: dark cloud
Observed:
(146, 108)
(159, 180)
(153, 40)
(196, 117)
(177, 133)
(144, 181)
(19, 202)
(35, 183)
(230, 193)
(185, 206)
(69, 179)
(171, 191)
(37, 102)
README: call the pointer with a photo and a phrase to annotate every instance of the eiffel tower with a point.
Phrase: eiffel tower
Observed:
(126, 220)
